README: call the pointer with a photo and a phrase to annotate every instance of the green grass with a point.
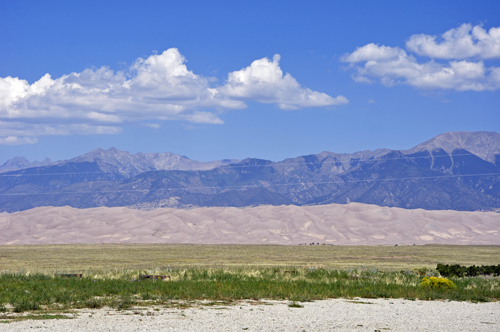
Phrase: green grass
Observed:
(10, 319)
(33, 293)
(295, 305)
(225, 274)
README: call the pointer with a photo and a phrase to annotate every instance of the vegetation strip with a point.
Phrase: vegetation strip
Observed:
(9, 319)
(457, 270)
(33, 293)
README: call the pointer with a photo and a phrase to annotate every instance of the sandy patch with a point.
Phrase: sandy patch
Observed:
(352, 223)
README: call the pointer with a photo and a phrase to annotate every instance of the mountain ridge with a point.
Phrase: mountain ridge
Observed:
(485, 145)
(18, 163)
(123, 162)
(450, 141)
(426, 176)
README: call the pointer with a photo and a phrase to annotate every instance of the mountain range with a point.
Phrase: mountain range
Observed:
(122, 162)
(17, 163)
(455, 171)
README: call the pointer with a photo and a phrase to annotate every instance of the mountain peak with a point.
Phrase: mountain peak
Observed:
(483, 144)
(100, 154)
(18, 163)
(128, 164)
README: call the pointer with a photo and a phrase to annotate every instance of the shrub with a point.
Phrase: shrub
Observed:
(125, 303)
(424, 271)
(25, 305)
(451, 270)
(93, 304)
(471, 271)
(437, 283)
(295, 305)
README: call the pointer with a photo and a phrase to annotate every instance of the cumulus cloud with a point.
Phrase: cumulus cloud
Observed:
(263, 81)
(159, 87)
(460, 43)
(464, 45)
(373, 52)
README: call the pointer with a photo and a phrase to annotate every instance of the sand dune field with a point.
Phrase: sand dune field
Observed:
(338, 224)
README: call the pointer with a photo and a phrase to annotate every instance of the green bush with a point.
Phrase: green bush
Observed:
(26, 305)
(457, 270)
(93, 304)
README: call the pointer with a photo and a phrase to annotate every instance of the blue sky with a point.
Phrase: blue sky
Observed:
(235, 79)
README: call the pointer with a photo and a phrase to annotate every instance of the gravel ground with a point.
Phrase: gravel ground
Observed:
(328, 315)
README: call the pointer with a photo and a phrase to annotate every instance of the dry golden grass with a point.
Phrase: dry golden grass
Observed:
(104, 257)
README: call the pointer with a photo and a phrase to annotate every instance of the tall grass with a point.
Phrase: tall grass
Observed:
(28, 292)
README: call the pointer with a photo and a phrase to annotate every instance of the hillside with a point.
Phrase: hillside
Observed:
(455, 171)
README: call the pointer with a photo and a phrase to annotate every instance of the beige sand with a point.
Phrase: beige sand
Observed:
(339, 224)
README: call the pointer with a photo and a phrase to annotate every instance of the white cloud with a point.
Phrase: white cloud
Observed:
(460, 43)
(373, 52)
(393, 65)
(32, 129)
(152, 125)
(203, 117)
(160, 87)
(263, 81)
(14, 140)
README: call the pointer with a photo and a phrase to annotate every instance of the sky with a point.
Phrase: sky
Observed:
(234, 79)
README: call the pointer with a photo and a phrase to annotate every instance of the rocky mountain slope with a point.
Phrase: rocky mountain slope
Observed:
(457, 171)
(485, 145)
(18, 163)
(123, 162)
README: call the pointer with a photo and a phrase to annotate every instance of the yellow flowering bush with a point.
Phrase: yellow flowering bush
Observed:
(435, 282)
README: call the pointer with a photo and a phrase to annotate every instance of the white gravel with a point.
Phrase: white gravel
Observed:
(328, 315)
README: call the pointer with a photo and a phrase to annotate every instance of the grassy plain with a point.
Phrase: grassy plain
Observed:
(106, 257)
(38, 292)
(224, 274)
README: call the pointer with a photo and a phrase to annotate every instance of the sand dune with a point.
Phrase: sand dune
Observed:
(354, 223)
